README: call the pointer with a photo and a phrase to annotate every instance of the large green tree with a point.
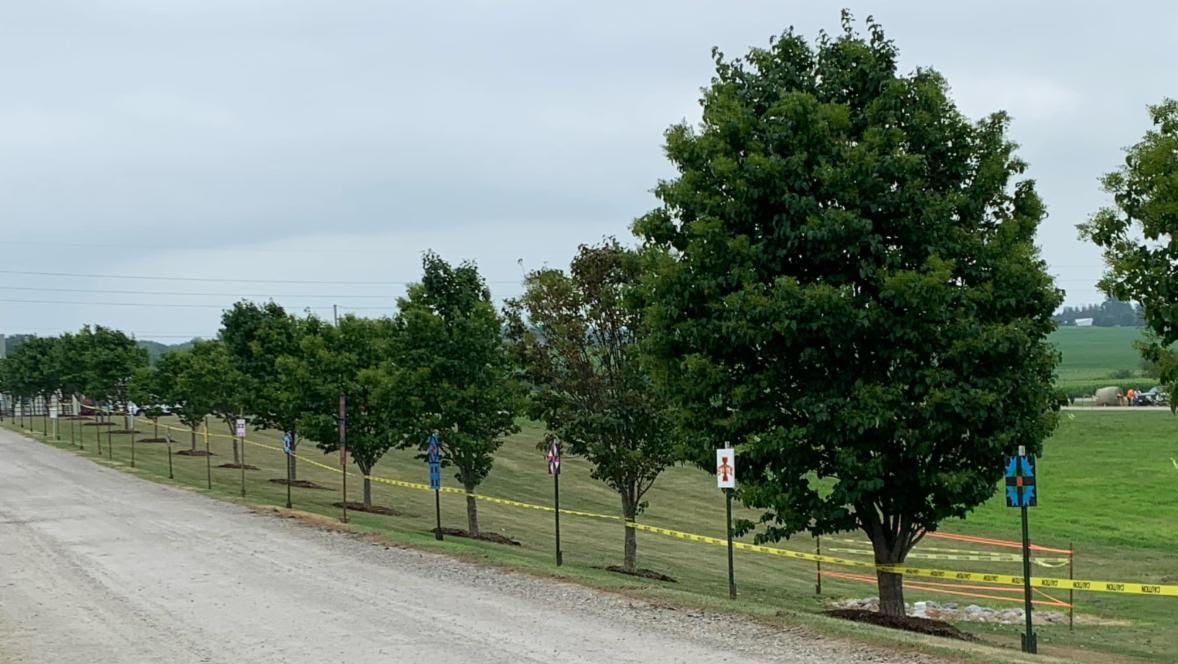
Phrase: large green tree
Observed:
(341, 359)
(575, 335)
(849, 292)
(1138, 235)
(256, 336)
(454, 375)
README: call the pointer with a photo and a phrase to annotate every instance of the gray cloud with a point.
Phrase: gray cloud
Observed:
(328, 140)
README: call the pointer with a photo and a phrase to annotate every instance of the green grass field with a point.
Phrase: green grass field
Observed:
(1108, 488)
(1093, 357)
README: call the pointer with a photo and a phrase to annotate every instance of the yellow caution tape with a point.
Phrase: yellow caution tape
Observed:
(1038, 582)
(1001, 579)
(973, 557)
(980, 577)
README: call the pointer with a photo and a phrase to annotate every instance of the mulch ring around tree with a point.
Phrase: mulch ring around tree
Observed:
(302, 484)
(642, 573)
(194, 453)
(485, 537)
(151, 440)
(237, 466)
(125, 432)
(375, 509)
(98, 424)
(906, 623)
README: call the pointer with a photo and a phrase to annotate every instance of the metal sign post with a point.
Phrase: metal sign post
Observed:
(1021, 492)
(726, 480)
(434, 459)
(288, 448)
(343, 451)
(554, 471)
(241, 440)
(208, 458)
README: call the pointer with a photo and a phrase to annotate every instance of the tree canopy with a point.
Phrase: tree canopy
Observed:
(344, 359)
(1138, 234)
(256, 337)
(849, 292)
(575, 335)
(455, 376)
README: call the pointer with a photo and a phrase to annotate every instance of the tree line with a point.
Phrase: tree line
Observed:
(841, 282)
(1110, 313)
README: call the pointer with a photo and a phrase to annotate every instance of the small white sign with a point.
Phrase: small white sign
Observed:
(726, 468)
(240, 428)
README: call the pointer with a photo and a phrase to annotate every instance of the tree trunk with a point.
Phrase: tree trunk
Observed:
(891, 594)
(156, 425)
(193, 439)
(236, 460)
(472, 513)
(630, 558)
(294, 469)
(367, 492)
(890, 548)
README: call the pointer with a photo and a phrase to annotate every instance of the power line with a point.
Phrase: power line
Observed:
(148, 292)
(137, 335)
(173, 305)
(219, 279)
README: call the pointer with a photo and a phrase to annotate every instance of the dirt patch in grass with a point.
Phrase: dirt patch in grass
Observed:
(906, 623)
(641, 573)
(98, 424)
(195, 453)
(485, 537)
(237, 466)
(302, 484)
(375, 509)
(125, 432)
(151, 440)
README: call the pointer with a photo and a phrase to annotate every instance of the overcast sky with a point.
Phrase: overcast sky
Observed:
(335, 141)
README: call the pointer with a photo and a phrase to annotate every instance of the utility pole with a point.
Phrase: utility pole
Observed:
(343, 430)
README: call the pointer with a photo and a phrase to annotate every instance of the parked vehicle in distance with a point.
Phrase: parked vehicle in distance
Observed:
(1156, 396)
(141, 411)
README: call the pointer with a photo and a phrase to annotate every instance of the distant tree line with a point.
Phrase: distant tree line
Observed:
(154, 348)
(1110, 313)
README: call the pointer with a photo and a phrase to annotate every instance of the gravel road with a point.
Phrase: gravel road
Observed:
(97, 566)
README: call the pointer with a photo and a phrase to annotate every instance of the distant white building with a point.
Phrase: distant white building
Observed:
(1083, 322)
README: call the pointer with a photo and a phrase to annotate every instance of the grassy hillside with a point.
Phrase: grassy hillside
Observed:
(1108, 486)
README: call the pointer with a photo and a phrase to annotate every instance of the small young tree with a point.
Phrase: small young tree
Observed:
(341, 359)
(576, 337)
(146, 393)
(108, 358)
(256, 336)
(849, 292)
(21, 379)
(224, 389)
(37, 359)
(182, 385)
(1139, 236)
(454, 376)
